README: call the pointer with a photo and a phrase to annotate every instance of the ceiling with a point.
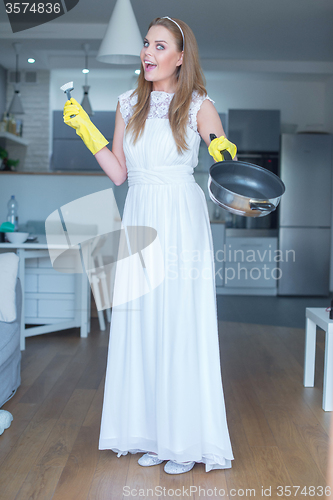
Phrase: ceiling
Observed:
(226, 30)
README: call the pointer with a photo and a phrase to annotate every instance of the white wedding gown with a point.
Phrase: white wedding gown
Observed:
(163, 390)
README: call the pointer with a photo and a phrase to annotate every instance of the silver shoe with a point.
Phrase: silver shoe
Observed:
(172, 467)
(146, 460)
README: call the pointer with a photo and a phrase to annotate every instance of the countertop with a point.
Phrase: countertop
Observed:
(251, 233)
(233, 232)
(56, 172)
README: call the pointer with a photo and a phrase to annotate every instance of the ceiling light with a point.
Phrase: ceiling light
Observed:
(16, 105)
(85, 101)
(137, 72)
(31, 60)
(122, 41)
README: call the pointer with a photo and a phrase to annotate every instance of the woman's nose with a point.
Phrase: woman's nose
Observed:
(147, 52)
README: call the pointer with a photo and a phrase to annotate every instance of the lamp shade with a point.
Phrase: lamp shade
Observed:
(122, 42)
(16, 107)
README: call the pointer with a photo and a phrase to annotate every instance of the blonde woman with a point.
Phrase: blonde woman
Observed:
(163, 391)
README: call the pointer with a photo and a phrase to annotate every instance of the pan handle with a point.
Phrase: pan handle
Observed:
(226, 154)
(262, 206)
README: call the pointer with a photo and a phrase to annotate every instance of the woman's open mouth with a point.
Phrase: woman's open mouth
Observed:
(149, 66)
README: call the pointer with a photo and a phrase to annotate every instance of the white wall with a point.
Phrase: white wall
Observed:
(40, 195)
(300, 100)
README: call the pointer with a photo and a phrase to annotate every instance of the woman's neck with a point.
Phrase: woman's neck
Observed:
(167, 87)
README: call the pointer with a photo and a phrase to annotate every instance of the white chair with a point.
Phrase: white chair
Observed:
(98, 277)
(319, 316)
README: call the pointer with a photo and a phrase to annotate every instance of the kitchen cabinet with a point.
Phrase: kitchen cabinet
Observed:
(49, 295)
(244, 265)
(250, 266)
(66, 306)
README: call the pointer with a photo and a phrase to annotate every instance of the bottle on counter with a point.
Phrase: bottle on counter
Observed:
(12, 212)
(4, 123)
(19, 127)
(12, 124)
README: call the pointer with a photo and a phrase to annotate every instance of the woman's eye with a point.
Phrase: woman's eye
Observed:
(145, 44)
(162, 46)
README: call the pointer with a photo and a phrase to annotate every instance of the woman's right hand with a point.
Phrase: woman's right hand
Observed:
(83, 126)
(71, 108)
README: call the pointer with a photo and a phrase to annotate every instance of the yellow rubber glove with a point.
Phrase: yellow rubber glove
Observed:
(221, 144)
(84, 127)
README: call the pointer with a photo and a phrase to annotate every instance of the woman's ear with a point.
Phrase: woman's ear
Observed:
(180, 60)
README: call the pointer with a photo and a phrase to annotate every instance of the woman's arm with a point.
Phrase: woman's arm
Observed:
(113, 162)
(209, 122)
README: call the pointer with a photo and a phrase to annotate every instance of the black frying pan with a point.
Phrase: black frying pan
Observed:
(244, 188)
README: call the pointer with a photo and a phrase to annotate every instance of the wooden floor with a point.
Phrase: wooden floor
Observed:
(278, 429)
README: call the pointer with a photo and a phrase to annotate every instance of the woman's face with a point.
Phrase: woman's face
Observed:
(160, 56)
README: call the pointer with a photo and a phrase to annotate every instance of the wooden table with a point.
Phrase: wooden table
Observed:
(81, 315)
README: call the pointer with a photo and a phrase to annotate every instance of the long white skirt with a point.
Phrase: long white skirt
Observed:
(163, 389)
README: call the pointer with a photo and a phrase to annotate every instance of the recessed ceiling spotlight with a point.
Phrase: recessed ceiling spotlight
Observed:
(137, 72)
(31, 60)
(85, 70)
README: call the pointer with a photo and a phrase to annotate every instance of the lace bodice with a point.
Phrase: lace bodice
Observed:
(159, 106)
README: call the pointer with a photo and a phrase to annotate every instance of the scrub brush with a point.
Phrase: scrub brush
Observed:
(67, 88)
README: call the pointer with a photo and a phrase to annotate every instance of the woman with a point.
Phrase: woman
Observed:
(163, 390)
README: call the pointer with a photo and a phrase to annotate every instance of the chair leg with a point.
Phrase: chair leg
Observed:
(97, 297)
(108, 314)
(106, 296)
(101, 320)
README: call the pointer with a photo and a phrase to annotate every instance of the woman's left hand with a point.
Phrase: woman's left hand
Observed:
(221, 144)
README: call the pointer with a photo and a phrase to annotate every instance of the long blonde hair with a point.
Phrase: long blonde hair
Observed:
(190, 77)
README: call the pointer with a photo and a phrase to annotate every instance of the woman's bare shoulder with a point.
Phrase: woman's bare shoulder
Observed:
(126, 103)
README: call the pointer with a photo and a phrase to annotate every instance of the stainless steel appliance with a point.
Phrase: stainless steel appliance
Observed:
(305, 214)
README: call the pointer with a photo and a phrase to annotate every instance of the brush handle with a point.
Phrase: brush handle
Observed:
(68, 92)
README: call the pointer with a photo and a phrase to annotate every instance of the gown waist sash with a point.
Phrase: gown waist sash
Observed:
(174, 174)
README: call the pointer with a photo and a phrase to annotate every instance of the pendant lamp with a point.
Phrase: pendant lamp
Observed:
(122, 42)
(85, 101)
(16, 104)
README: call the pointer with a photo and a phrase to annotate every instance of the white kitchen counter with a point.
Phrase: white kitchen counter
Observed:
(38, 254)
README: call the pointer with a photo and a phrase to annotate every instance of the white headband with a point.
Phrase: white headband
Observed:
(166, 17)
